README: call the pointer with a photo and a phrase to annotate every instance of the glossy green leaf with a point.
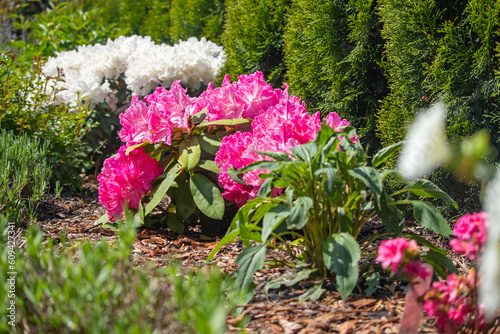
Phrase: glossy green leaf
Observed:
(425, 188)
(162, 189)
(174, 224)
(235, 175)
(209, 143)
(299, 213)
(199, 116)
(341, 255)
(133, 147)
(288, 280)
(209, 165)
(190, 152)
(206, 196)
(249, 261)
(273, 218)
(428, 216)
(228, 122)
(385, 153)
(184, 202)
(370, 177)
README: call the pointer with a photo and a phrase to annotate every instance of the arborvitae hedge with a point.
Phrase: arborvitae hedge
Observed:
(333, 51)
(441, 50)
(253, 38)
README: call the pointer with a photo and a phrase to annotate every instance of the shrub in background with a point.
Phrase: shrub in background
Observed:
(253, 38)
(332, 54)
(24, 175)
(26, 109)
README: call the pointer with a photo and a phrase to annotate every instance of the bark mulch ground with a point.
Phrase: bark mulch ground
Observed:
(279, 311)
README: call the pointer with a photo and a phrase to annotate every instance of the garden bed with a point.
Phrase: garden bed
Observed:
(75, 215)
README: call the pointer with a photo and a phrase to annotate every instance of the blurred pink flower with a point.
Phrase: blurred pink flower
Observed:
(470, 231)
(394, 252)
(125, 179)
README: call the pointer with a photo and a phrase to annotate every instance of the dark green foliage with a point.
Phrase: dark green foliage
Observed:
(253, 38)
(333, 50)
(441, 50)
(24, 175)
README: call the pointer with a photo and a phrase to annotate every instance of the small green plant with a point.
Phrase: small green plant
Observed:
(24, 175)
(25, 108)
(330, 191)
(95, 288)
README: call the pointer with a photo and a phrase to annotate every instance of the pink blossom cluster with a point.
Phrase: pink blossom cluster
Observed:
(277, 127)
(401, 256)
(470, 231)
(168, 111)
(453, 303)
(125, 178)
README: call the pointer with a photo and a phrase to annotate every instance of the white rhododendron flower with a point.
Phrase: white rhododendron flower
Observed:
(426, 146)
(489, 289)
(145, 64)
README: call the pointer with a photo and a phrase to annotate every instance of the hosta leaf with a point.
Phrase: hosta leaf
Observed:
(313, 294)
(442, 264)
(370, 177)
(428, 216)
(273, 218)
(249, 261)
(341, 255)
(425, 188)
(385, 153)
(288, 280)
(298, 214)
(206, 196)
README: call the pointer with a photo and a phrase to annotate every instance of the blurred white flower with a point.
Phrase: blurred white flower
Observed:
(426, 146)
(145, 65)
(489, 289)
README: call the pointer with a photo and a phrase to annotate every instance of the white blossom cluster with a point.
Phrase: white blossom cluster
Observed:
(146, 65)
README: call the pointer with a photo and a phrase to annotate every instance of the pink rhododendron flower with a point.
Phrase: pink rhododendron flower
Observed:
(392, 252)
(173, 104)
(335, 122)
(416, 268)
(470, 231)
(125, 179)
(134, 121)
(453, 304)
(225, 102)
(256, 93)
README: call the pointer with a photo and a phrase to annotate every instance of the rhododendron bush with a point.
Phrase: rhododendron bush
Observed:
(185, 147)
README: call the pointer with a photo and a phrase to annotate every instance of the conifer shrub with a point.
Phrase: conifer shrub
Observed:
(441, 50)
(332, 52)
(253, 38)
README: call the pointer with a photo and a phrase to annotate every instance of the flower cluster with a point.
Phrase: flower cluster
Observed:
(282, 122)
(401, 256)
(470, 231)
(125, 178)
(453, 303)
(145, 66)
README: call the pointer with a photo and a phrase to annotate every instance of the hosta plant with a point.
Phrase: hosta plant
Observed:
(320, 194)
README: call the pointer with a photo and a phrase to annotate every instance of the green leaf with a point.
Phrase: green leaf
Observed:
(273, 218)
(385, 153)
(249, 261)
(133, 147)
(298, 214)
(235, 175)
(389, 213)
(370, 177)
(184, 202)
(209, 165)
(428, 216)
(269, 165)
(278, 156)
(324, 135)
(162, 189)
(199, 116)
(174, 224)
(424, 242)
(206, 196)
(313, 294)
(288, 280)
(425, 188)
(190, 152)
(341, 254)
(331, 183)
(228, 238)
(442, 264)
(209, 143)
(306, 151)
(229, 122)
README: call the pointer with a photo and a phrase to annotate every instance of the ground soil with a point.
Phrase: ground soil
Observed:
(279, 311)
